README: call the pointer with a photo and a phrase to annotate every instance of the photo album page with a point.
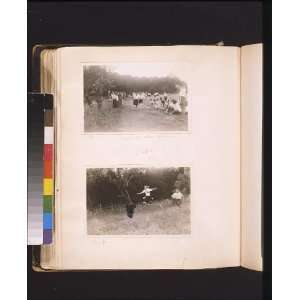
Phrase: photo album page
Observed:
(148, 158)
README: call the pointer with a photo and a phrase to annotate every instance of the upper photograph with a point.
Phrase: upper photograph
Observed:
(135, 97)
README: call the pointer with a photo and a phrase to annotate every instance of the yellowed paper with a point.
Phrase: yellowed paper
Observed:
(251, 156)
(210, 148)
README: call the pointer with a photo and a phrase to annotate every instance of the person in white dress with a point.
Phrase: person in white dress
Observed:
(177, 197)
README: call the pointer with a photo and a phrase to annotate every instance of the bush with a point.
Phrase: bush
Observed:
(99, 80)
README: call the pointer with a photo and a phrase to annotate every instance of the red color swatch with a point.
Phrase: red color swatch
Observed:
(48, 152)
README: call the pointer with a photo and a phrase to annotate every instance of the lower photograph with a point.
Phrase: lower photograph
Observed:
(138, 201)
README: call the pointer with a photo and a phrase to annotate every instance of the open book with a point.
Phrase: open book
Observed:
(157, 157)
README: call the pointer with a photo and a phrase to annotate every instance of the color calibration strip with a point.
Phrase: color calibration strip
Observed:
(48, 184)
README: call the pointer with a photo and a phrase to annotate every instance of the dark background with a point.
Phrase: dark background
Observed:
(157, 23)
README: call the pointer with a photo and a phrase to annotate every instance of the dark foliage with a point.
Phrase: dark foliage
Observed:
(99, 80)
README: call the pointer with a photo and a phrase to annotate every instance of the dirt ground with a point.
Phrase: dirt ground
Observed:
(128, 118)
(161, 217)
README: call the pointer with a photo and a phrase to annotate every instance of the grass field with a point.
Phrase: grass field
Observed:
(128, 118)
(157, 218)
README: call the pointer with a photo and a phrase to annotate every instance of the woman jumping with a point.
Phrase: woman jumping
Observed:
(147, 191)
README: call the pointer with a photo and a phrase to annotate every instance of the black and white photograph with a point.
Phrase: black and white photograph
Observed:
(135, 97)
(138, 201)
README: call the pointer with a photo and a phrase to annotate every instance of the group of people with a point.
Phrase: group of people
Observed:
(138, 98)
(117, 98)
(168, 103)
(176, 196)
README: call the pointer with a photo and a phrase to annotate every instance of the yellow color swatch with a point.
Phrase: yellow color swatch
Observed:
(48, 186)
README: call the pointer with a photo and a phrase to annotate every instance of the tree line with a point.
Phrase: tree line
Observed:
(115, 188)
(99, 80)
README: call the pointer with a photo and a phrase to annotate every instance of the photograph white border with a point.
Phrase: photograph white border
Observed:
(132, 236)
(139, 133)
